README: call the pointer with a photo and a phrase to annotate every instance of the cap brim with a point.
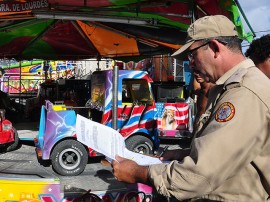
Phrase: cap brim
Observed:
(180, 51)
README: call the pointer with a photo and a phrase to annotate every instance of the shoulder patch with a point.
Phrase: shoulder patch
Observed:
(225, 112)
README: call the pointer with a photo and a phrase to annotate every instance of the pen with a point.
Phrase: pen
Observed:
(164, 150)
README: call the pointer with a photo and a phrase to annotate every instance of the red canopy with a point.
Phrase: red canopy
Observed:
(76, 29)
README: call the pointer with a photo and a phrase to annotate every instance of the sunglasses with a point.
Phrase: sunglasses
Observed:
(190, 53)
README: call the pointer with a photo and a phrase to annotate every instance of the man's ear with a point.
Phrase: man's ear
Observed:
(215, 46)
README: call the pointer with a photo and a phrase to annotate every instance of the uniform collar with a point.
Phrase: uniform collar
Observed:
(242, 65)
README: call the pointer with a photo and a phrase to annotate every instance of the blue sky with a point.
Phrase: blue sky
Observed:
(258, 15)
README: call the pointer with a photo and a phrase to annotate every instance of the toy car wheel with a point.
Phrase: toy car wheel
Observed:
(69, 158)
(14, 145)
(140, 144)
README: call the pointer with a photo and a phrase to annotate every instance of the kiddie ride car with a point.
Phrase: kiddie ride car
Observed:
(9, 139)
(140, 120)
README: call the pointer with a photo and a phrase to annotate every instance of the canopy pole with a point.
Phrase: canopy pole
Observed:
(20, 82)
(115, 97)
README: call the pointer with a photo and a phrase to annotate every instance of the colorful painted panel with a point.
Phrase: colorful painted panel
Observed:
(25, 77)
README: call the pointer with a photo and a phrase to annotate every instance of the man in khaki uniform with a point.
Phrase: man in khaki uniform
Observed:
(230, 155)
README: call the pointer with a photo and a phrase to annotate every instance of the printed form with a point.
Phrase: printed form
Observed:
(108, 141)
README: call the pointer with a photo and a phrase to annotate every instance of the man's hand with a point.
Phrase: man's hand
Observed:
(129, 171)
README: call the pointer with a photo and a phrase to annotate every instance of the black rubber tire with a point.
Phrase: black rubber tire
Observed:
(140, 144)
(69, 158)
(14, 145)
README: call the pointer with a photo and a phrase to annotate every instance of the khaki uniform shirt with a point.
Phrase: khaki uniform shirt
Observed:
(230, 156)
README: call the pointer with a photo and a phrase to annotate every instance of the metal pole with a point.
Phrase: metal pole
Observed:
(115, 97)
(160, 68)
(20, 81)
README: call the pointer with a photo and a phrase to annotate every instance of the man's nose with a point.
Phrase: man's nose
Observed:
(192, 64)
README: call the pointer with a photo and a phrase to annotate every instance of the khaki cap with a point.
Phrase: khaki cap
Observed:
(208, 27)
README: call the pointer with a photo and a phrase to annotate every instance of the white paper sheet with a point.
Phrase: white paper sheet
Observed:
(140, 158)
(108, 141)
(99, 137)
